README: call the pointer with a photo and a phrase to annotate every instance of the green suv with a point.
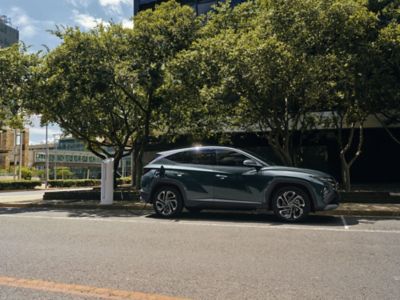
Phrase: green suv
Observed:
(215, 177)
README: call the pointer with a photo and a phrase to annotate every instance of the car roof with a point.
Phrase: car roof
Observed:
(169, 152)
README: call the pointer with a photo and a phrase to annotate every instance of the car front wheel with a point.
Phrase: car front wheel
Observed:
(167, 202)
(291, 204)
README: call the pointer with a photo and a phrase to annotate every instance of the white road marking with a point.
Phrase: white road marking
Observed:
(141, 220)
(344, 223)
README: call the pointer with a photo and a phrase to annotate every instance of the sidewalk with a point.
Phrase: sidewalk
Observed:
(355, 209)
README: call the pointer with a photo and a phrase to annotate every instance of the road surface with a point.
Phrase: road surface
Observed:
(86, 254)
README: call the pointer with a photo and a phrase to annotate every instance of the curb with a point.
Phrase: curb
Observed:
(75, 206)
(141, 206)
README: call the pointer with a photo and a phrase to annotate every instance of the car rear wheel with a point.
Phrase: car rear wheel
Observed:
(291, 204)
(167, 202)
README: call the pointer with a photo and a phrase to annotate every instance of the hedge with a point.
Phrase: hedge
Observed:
(124, 180)
(74, 182)
(19, 185)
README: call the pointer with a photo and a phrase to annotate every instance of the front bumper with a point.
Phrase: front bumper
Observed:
(332, 200)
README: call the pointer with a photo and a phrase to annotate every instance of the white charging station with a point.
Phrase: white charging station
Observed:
(107, 181)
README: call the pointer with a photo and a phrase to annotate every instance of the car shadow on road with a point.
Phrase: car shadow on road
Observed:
(220, 216)
(261, 218)
(83, 213)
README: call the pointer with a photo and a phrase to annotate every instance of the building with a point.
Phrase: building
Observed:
(71, 153)
(8, 34)
(199, 6)
(11, 150)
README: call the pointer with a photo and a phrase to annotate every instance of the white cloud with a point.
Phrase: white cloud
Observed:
(127, 23)
(115, 6)
(37, 134)
(79, 3)
(25, 24)
(86, 21)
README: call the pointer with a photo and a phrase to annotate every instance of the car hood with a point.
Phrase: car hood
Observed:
(285, 169)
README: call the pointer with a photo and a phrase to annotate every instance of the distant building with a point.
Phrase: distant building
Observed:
(8, 34)
(71, 153)
(10, 149)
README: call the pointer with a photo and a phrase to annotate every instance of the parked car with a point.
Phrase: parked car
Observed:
(214, 177)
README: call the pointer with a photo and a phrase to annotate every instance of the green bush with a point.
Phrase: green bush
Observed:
(19, 185)
(124, 180)
(74, 182)
(26, 173)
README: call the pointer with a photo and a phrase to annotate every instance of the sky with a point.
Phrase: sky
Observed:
(33, 19)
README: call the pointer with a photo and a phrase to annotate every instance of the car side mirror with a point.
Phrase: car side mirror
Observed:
(251, 163)
(161, 172)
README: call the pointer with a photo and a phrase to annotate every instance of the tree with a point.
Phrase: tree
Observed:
(16, 67)
(238, 75)
(76, 88)
(349, 31)
(158, 35)
(385, 96)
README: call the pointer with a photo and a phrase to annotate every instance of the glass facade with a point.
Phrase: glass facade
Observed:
(200, 6)
(67, 157)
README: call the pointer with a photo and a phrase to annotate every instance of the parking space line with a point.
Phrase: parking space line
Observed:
(81, 290)
(142, 220)
(344, 223)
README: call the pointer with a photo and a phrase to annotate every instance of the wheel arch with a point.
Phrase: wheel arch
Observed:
(167, 182)
(277, 184)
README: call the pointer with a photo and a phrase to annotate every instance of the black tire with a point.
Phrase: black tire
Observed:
(167, 202)
(194, 210)
(291, 204)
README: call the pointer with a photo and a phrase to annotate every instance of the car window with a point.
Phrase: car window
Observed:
(230, 158)
(197, 157)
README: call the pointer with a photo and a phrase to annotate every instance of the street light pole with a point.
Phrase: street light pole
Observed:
(47, 157)
(56, 141)
(21, 136)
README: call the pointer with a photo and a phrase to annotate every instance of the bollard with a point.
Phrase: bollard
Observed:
(107, 182)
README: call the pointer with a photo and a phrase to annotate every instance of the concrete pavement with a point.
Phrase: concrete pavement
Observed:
(205, 256)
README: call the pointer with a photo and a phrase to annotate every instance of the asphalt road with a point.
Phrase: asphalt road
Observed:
(102, 254)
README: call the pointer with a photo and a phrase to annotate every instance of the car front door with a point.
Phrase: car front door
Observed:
(236, 183)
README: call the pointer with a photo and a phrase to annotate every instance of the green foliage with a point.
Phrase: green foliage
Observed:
(15, 82)
(19, 185)
(124, 180)
(74, 183)
(26, 173)
(63, 173)
(80, 74)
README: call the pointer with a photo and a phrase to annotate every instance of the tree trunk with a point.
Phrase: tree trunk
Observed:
(139, 166)
(117, 159)
(345, 173)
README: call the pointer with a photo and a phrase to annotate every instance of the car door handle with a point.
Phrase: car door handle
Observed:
(179, 174)
(220, 176)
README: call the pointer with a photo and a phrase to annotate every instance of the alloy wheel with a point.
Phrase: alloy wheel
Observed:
(290, 205)
(166, 203)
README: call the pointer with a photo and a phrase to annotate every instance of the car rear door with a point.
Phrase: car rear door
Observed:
(195, 170)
